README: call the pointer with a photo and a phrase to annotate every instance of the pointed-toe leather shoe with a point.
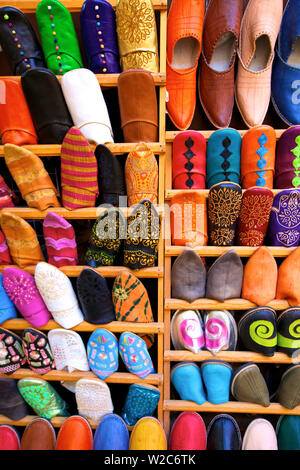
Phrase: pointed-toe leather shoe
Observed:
(188, 276)
(223, 433)
(248, 385)
(9, 438)
(288, 432)
(257, 330)
(260, 435)
(75, 434)
(189, 160)
(289, 388)
(287, 331)
(188, 432)
(186, 378)
(39, 434)
(184, 42)
(111, 434)
(259, 30)
(148, 434)
(220, 41)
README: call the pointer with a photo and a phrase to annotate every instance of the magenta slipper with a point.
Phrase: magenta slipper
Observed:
(60, 241)
(22, 290)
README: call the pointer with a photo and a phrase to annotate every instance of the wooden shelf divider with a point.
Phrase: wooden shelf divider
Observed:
(230, 356)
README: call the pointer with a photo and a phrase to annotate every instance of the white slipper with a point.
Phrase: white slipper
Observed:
(87, 106)
(93, 398)
(58, 294)
(68, 350)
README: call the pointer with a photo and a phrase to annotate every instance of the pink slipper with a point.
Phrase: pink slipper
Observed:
(60, 241)
(21, 289)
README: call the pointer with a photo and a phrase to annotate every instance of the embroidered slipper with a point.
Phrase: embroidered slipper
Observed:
(9, 438)
(68, 350)
(21, 239)
(75, 434)
(39, 434)
(102, 352)
(111, 178)
(7, 308)
(106, 239)
(58, 294)
(187, 330)
(4, 251)
(135, 355)
(12, 404)
(60, 241)
(111, 434)
(141, 173)
(93, 398)
(95, 297)
(143, 231)
(220, 331)
(12, 355)
(22, 290)
(37, 350)
(42, 397)
(141, 401)
(78, 171)
(29, 173)
(131, 301)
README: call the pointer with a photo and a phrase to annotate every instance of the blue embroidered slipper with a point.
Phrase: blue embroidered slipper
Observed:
(102, 352)
(135, 355)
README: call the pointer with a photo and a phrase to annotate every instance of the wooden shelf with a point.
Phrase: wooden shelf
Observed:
(170, 135)
(229, 356)
(214, 251)
(170, 193)
(115, 326)
(58, 375)
(233, 304)
(229, 407)
(74, 6)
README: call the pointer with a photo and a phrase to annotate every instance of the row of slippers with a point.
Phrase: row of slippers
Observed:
(259, 329)
(256, 159)
(50, 294)
(214, 381)
(106, 34)
(92, 398)
(260, 281)
(66, 349)
(228, 217)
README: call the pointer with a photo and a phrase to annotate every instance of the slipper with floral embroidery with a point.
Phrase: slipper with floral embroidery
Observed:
(12, 356)
(135, 355)
(37, 350)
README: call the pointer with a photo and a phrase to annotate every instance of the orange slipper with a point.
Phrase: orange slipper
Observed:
(288, 279)
(75, 434)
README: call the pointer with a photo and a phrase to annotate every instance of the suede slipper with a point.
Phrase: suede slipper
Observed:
(188, 276)
(248, 385)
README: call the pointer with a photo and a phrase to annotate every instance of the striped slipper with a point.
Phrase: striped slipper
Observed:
(78, 171)
(60, 241)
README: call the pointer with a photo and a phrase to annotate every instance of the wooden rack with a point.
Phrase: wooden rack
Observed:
(238, 357)
(155, 273)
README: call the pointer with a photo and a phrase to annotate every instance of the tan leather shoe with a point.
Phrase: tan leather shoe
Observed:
(258, 34)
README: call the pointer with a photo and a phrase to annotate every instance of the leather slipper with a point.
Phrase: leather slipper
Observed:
(288, 340)
(188, 432)
(217, 376)
(37, 350)
(260, 435)
(248, 385)
(75, 434)
(187, 330)
(7, 308)
(189, 160)
(9, 438)
(187, 381)
(111, 434)
(4, 251)
(12, 404)
(60, 241)
(220, 331)
(225, 277)
(103, 353)
(188, 276)
(39, 434)
(135, 355)
(141, 400)
(111, 179)
(68, 350)
(148, 434)
(93, 398)
(12, 355)
(284, 229)
(289, 388)
(258, 331)
(223, 433)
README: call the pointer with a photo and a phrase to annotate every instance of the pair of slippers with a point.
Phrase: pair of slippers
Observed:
(140, 233)
(103, 351)
(217, 333)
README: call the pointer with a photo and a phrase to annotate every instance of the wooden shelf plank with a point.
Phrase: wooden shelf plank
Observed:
(114, 326)
(53, 150)
(214, 251)
(105, 271)
(170, 135)
(74, 6)
(229, 356)
(208, 304)
(169, 193)
(229, 407)
(58, 375)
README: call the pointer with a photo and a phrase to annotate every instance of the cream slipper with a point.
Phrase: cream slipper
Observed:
(93, 398)
(68, 350)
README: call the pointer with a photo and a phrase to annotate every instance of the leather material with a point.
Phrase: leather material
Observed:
(9, 438)
(135, 355)
(189, 161)
(284, 230)
(260, 270)
(12, 404)
(111, 179)
(15, 128)
(111, 434)
(188, 276)
(189, 219)
(288, 275)
(216, 376)
(187, 330)
(98, 29)
(39, 434)
(216, 88)
(7, 308)
(137, 35)
(288, 432)
(43, 92)
(220, 331)
(19, 41)
(188, 432)
(260, 435)
(185, 20)
(141, 401)
(223, 162)
(285, 75)
(187, 381)
(58, 37)
(258, 331)
(289, 388)
(87, 106)
(75, 434)
(253, 87)
(223, 206)
(287, 166)
(102, 353)
(287, 331)
(258, 157)
(148, 434)
(254, 216)
(248, 385)
(223, 433)
(225, 277)
(138, 106)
